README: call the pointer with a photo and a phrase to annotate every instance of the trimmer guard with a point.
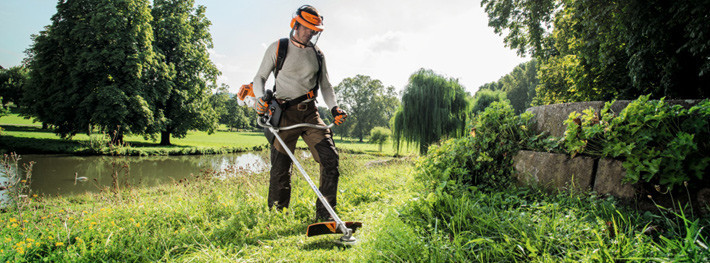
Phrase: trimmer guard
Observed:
(330, 227)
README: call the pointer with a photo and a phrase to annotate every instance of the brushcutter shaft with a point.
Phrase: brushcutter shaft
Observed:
(327, 206)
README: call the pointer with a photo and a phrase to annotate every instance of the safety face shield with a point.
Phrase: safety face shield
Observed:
(305, 36)
(306, 26)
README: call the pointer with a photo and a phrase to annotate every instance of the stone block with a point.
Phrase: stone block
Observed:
(551, 118)
(610, 174)
(554, 171)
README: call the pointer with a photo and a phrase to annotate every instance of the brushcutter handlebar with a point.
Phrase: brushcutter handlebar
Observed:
(263, 120)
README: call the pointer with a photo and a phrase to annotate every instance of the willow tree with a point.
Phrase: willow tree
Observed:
(432, 107)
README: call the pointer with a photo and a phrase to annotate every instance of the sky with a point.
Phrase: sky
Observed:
(387, 40)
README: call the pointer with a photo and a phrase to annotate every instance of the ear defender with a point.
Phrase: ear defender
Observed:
(308, 18)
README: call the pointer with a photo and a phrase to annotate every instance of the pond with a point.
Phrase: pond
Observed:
(68, 175)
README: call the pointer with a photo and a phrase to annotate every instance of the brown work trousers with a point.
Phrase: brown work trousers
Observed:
(322, 148)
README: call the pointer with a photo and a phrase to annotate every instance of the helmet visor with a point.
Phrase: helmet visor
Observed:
(306, 37)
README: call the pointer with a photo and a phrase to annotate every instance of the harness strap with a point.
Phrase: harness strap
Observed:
(280, 57)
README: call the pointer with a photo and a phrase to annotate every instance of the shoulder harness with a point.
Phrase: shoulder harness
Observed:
(281, 57)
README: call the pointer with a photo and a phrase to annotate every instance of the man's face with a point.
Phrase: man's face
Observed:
(304, 34)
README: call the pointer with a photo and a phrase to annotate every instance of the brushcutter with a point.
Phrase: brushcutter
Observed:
(337, 226)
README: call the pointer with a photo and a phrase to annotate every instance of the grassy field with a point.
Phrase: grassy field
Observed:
(23, 136)
(222, 217)
(207, 219)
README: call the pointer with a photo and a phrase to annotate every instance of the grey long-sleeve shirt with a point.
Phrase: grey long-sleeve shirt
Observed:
(296, 77)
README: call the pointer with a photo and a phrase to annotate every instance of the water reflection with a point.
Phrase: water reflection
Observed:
(56, 174)
(4, 199)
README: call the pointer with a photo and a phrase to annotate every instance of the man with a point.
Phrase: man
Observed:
(302, 74)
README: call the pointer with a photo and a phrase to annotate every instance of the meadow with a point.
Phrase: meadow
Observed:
(205, 219)
(221, 216)
(408, 215)
(25, 136)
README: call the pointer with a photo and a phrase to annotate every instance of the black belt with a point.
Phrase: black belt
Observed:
(303, 106)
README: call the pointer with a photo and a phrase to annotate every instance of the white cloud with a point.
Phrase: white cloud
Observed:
(389, 42)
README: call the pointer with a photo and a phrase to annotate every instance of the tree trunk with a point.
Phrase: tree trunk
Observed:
(117, 139)
(423, 147)
(164, 138)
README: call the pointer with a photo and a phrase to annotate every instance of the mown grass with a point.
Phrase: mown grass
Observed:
(15, 119)
(23, 136)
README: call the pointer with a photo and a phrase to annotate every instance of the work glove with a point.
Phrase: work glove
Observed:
(339, 115)
(262, 107)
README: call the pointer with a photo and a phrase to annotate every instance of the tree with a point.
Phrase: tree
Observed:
(219, 103)
(182, 37)
(325, 114)
(527, 23)
(521, 89)
(602, 50)
(590, 59)
(668, 43)
(379, 136)
(483, 98)
(237, 116)
(4, 111)
(12, 82)
(367, 102)
(517, 87)
(95, 66)
(432, 107)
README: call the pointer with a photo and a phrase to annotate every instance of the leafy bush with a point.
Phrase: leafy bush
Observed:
(483, 98)
(379, 136)
(484, 158)
(658, 143)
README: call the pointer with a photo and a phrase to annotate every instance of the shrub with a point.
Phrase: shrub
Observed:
(379, 136)
(484, 158)
(657, 142)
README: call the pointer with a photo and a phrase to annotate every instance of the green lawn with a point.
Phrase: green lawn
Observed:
(15, 119)
(24, 136)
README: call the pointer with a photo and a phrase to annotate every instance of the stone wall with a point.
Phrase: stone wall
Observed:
(550, 118)
(581, 173)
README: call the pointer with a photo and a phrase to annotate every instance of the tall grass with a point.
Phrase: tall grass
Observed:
(221, 216)
(521, 224)
(217, 216)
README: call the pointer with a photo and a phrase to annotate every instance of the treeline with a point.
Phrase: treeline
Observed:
(517, 87)
(601, 50)
(130, 67)
(119, 66)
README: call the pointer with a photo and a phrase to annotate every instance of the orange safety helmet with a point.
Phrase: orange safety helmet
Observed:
(308, 16)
